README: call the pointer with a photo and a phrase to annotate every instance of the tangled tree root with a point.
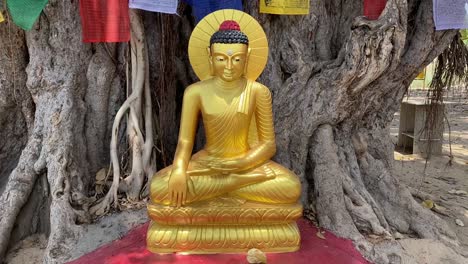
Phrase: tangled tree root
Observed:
(139, 108)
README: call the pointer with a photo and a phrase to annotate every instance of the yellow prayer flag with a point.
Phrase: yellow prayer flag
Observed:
(285, 7)
(421, 75)
(1, 17)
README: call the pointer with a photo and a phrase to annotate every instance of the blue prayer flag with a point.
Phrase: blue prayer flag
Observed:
(201, 8)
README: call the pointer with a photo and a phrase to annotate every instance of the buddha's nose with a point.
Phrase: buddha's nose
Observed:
(229, 64)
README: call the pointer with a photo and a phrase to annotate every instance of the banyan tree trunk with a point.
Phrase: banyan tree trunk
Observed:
(63, 95)
(336, 79)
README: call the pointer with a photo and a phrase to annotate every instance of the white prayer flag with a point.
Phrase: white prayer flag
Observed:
(450, 14)
(161, 6)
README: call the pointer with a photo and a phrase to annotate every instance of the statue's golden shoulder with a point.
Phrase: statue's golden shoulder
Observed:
(196, 88)
(261, 89)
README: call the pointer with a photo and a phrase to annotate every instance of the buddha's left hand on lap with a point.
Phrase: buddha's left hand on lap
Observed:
(213, 165)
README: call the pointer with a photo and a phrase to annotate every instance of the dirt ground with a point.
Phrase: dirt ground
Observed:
(443, 184)
(105, 230)
(446, 185)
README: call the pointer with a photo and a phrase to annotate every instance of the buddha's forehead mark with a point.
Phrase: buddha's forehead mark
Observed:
(229, 49)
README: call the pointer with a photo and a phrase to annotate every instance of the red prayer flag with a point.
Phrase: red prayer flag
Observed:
(373, 8)
(105, 20)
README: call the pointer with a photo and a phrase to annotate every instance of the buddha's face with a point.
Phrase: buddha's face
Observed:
(228, 61)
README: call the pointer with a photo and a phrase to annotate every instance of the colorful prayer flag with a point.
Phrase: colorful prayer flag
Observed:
(450, 14)
(421, 75)
(201, 8)
(161, 6)
(373, 8)
(105, 20)
(24, 13)
(464, 34)
(285, 7)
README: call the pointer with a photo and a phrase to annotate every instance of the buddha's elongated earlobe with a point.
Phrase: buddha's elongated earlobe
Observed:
(210, 61)
(246, 66)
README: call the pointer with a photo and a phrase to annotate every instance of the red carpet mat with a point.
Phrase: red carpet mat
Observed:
(132, 249)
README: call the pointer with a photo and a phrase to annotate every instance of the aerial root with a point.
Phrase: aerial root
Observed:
(141, 145)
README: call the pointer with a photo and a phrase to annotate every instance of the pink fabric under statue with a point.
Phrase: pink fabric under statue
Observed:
(132, 249)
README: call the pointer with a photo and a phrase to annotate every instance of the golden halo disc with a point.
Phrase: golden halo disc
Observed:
(200, 41)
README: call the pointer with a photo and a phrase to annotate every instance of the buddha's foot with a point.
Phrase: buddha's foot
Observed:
(207, 227)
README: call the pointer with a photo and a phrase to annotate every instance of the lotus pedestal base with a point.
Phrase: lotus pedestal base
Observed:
(210, 228)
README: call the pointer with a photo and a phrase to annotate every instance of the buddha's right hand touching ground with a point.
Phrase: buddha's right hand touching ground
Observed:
(177, 188)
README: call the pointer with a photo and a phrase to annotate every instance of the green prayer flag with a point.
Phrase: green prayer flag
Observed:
(25, 12)
(464, 34)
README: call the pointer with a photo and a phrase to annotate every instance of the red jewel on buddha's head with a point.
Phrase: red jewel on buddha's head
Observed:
(229, 25)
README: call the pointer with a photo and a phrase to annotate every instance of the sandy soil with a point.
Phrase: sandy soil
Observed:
(29, 250)
(106, 229)
(437, 182)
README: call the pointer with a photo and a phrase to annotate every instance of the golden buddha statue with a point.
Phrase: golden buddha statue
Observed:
(228, 197)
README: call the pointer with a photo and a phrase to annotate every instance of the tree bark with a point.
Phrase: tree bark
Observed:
(71, 94)
(336, 78)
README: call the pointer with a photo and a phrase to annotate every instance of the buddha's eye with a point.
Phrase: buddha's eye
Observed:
(219, 59)
(237, 59)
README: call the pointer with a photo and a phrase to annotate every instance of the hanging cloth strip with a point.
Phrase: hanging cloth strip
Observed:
(464, 35)
(201, 8)
(373, 8)
(2, 7)
(105, 20)
(450, 14)
(161, 6)
(285, 7)
(24, 13)
(1, 16)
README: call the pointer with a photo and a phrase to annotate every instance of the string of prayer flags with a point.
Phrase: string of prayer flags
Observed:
(201, 8)
(161, 6)
(285, 7)
(24, 13)
(450, 14)
(105, 20)
(373, 8)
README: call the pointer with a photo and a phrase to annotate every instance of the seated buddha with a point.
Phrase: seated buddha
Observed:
(229, 196)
